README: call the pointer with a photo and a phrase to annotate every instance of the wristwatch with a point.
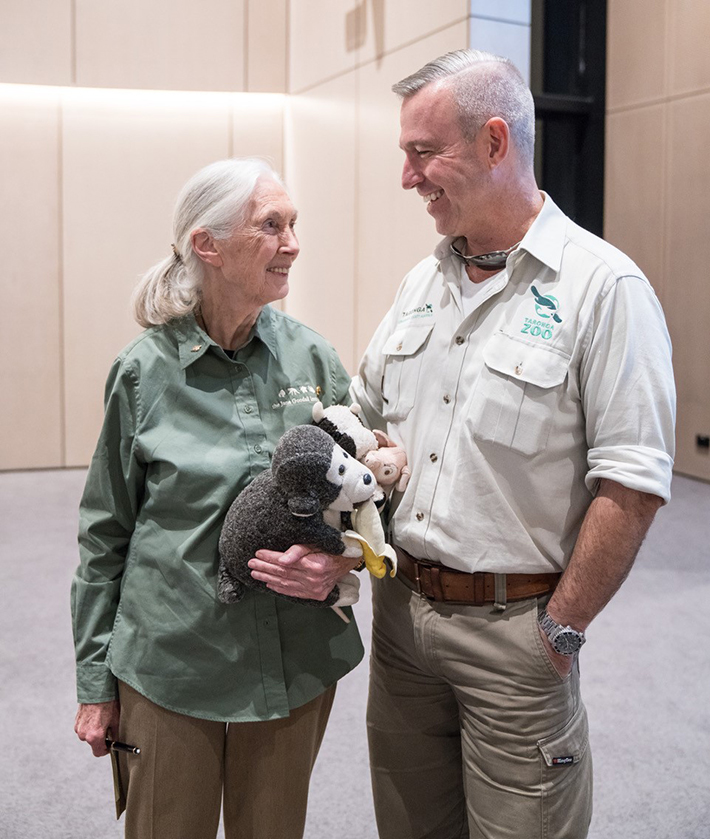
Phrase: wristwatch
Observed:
(564, 639)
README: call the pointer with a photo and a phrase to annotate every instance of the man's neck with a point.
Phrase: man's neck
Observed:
(506, 224)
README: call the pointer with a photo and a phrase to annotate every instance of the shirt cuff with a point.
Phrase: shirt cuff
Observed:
(95, 683)
(635, 467)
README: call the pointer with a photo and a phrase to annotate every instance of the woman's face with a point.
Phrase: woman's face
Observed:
(257, 257)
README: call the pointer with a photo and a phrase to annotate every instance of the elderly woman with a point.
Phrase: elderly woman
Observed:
(225, 702)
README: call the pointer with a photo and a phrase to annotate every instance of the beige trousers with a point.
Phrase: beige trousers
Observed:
(472, 732)
(189, 769)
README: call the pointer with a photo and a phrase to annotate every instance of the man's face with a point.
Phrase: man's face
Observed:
(449, 172)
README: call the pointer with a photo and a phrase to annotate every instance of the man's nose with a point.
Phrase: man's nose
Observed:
(410, 176)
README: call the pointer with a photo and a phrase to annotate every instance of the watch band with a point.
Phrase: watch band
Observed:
(564, 639)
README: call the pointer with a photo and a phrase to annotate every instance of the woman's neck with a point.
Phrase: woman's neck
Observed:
(228, 326)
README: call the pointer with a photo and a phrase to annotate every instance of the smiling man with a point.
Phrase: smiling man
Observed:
(526, 369)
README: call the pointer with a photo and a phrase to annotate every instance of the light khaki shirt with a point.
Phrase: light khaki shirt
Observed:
(186, 429)
(560, 376)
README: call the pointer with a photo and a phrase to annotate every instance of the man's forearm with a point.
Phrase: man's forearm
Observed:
(612, 532)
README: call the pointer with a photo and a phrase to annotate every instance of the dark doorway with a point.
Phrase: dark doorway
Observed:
(568, 77)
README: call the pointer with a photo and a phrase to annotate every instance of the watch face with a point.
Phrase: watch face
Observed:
(567, 642)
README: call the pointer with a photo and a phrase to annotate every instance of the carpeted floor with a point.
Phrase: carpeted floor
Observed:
(645, 670)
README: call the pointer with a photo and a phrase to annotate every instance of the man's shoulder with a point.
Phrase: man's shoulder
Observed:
(586, 249)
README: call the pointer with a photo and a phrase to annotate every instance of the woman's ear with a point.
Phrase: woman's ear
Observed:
(203, 244)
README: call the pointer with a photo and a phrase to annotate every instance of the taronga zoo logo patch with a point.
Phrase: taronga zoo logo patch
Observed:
(546, 309)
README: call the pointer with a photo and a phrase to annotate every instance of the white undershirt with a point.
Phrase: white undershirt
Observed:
(472, 293)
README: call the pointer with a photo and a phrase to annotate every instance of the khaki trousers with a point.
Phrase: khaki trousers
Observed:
(188, 768)
(472, 732)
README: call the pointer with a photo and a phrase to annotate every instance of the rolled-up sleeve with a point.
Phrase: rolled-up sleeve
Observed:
(107, 519)
(628, 391)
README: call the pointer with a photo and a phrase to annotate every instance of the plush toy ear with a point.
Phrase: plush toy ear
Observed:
(303, 505)
(318, 412)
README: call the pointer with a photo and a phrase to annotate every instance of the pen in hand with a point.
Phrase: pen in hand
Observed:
(116, 746)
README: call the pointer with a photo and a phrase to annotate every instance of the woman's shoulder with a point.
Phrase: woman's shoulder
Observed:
(288, 327)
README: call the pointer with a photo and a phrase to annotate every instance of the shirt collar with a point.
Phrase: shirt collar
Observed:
(194, 342)
(544, 240)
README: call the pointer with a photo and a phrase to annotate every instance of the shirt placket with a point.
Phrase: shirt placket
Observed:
(266, 617)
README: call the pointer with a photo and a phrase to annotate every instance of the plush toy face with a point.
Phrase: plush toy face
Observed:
(314, 473)
(355, 480)
(343, 424)
(389, 466)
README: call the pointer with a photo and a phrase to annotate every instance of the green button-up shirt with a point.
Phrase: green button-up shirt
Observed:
(186, 428)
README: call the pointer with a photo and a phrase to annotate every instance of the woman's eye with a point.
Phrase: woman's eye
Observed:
(341, 470)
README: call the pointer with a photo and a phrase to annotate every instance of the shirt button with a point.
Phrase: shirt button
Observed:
(419, 516)
(257, 449)
(447, 398)
(433, 457)
(459, 339)
(248, 409)
(398, 347)
(518, 369)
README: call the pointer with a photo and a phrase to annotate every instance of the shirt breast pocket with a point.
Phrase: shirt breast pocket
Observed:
(403, 351)
(518, 393)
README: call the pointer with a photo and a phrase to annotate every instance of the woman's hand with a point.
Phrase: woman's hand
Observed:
(301, 571)
(94, 723)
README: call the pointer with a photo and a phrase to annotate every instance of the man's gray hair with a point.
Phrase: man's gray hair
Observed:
(215, 199)
(484, 85)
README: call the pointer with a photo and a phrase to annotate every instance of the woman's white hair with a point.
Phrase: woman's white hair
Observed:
(484, 85)
(215, 199)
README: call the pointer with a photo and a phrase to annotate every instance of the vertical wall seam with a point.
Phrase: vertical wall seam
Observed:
(60, 290)
(287, 51)
(245, 46)
(72, 41)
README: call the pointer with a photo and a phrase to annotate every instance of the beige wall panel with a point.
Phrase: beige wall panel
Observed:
(320, 170)
(125, 159)
(389, 24)
(394, 228)
(258, 127)
(634, 187)
(160, 44)
(30, 378)
(636, 51)
(267, 46)
(324, 40)
(687, 302)
(36, 42)
(689, 26)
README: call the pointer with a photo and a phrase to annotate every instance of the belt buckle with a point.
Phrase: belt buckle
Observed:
(418, 564)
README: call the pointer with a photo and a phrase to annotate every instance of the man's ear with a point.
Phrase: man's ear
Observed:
(498, 140)
(203, 245)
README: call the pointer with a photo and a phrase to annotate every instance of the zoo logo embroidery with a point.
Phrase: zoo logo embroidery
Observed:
(546, 308)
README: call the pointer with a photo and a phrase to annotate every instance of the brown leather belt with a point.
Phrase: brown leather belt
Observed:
(446, 585)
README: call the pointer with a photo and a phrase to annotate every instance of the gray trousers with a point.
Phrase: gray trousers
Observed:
(472, 732)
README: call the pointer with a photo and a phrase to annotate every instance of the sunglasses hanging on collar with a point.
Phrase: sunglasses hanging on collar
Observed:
(493, 261)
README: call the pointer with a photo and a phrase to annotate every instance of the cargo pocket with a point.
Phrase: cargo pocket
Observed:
(566, 762)
(403, 353)
(517, 394)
